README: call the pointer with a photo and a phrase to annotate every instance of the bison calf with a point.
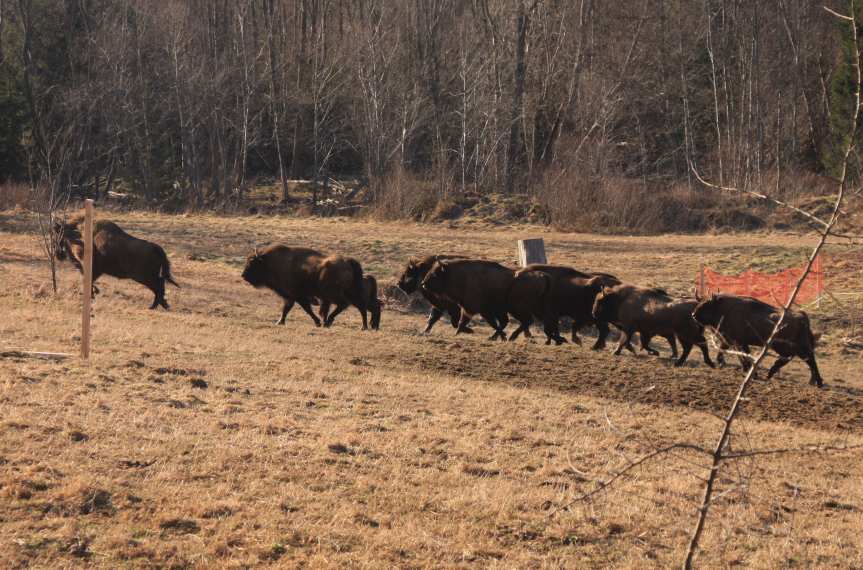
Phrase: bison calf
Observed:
(370, 293)
(742, 322)
(119, 255)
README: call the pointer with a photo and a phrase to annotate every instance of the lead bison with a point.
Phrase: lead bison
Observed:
(651, 312)
(741, 322)
(411, 280)
(305, 276)
(117, 254)
(476, 287)
(572, 294)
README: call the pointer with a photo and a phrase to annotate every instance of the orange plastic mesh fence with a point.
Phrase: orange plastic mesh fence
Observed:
(773, 288)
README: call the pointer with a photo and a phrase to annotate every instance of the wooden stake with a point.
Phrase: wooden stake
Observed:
(87, 290)
(531, 251)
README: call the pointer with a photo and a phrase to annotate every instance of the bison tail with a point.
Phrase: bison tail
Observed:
(808, 338)
(166, 270)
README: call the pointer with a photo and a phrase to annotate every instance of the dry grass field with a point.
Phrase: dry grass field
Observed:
(208, 437)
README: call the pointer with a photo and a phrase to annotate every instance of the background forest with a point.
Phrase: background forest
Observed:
(585, 113)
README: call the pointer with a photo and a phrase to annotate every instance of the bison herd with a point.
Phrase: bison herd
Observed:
(461, 288)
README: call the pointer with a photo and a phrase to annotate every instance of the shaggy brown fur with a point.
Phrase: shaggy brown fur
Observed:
(119, 255)
(527, 299)
(742, 322)
(638, 309)
(373, 304)
(476, 287)
(301, 275)
(572, 295)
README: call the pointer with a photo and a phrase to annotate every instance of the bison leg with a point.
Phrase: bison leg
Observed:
(815, 378)
(454, 317)
(673, 345)
(158, 289)
(624, 342)
(286, 308)
(517, 332)
(602, 335)
(339, 308)
(493, 322)
(464, 319)
(358, 300)
(306, 305)
(687, 347)
(95, 290)
(434, 317)
(645, 345)
(720, 356)
(777, 366)
(163, 302)
(324, 310)
(523, 327)
(375, 311)
(706, 353)
(502, 320)
(745, 362)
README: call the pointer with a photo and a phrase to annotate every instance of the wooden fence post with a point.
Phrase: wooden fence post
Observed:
(87, 290)
(531, 251)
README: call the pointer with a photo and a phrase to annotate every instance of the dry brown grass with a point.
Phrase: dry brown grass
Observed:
(207, 437)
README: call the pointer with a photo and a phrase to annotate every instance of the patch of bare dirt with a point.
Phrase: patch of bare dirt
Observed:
(643, 379)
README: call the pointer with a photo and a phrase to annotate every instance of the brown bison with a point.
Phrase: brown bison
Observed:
(411, 280)
(117, 254)
(742, 322)
(301, 275)
(527, 299)
(651, 312)
(572, 294)
(476, 287)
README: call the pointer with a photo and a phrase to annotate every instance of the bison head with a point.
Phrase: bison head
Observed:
(411, 278)
(255, 271)
(435, 279)
(605, 305)
(708, 312)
